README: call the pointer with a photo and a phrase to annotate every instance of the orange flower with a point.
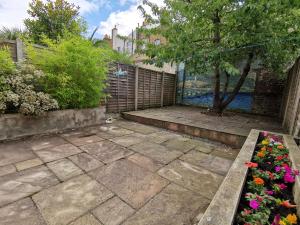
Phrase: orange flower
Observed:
(261, 154)
(280, 147)
(263, 148)
(251, 164)
(259, 181)
(292, 218)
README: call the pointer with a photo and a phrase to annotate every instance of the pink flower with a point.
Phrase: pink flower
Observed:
(276, 220)
(269, 192)
(265, 133)
(296, 172)
(277, 169)
(282, 186)
(287, 169)
(254, 204)
(288, 178)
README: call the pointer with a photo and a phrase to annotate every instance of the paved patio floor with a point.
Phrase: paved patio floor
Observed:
(124, 173)
(231, 122)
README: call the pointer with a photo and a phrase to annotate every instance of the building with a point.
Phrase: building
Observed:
(128, 45)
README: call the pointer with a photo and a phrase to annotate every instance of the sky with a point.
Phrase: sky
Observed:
(103, 13)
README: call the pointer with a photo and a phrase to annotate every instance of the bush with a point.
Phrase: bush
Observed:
(19, 88)
(75, 71)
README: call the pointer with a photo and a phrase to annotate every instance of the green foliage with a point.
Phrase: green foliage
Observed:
(11, 33)
(6, 63)
(75, 71)
(53, 19)
(203, 33)
(20, 92)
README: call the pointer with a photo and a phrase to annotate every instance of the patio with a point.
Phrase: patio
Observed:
(125, 173)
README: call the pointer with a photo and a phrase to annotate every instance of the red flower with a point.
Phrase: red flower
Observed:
(287, 204)
(271, 176)
(280, 157)
(259, 198)
(251, 164)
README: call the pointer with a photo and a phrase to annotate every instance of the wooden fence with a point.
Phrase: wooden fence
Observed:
(133, 88)
(291, 106)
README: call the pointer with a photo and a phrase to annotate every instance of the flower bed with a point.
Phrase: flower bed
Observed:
(268, 194)
(271, 196)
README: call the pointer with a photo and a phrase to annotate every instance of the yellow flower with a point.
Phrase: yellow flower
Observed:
(281, 222)
(292, 218)
(265, 142)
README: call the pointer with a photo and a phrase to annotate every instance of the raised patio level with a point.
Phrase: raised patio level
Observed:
(231, 129)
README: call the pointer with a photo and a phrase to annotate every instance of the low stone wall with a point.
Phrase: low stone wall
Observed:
(16, 126)
(223, 207)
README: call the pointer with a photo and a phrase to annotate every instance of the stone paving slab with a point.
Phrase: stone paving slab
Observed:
(175, 205)
(4, 170)
(113, 212)
(38, 143)
(85, 161)
(25, 183)
(110, 131)
(226, 153)
(180, 144)
(65, 202)
(145, 162)
(129, 139)
(64, 169)
(28, 164)
(15, 151)
(137, 127)
(22, 212)
(194, 178)
(84, 140)
(106, 151)
(133, 184)
(87, 219)
(157, 152)
(57, 152)
(210, 162)
(162, 136)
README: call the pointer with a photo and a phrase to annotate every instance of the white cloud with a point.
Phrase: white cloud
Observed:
(124, 20)
(13, 12)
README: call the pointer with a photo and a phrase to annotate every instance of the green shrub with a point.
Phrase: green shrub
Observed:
(20, 92)
(75, 71)
(6, 63)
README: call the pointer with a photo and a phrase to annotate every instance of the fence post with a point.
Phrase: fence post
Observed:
(162, 89)
(19, 50)
(175, 87)
(136, 88)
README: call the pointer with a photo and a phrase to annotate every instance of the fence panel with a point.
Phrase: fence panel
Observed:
(133, 88)
(291, 120)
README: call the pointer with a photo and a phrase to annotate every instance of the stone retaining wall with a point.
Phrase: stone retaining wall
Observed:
(16, 125)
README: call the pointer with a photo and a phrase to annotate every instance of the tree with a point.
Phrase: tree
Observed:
(213, 36)
(52, 19)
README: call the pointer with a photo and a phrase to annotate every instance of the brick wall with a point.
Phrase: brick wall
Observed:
(267, 96)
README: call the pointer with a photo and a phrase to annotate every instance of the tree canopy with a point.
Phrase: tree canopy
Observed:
(212, 36)
(52, 19)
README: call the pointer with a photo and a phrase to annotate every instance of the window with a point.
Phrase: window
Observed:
(157, 42)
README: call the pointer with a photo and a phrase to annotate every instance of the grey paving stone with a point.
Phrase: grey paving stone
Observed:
(129, 139)
(15, 151)
(226, 153)
(157, 152)
(22, 212)
(69, 200)
(180, 144)
(85, 161)
(213, 163)
(87, 219)
(38, 143)
(113, 131)
(160, 137)
(64, 169)
(194, 178)
(140, 128)
(28, 164)
(57, 152)
(113, 212)
(25, 183)
(133, 184)
(106, 151)
(4, 170)
(175, 205)
(83, 140)
(145, 162)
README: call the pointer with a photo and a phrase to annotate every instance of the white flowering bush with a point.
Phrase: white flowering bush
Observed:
(20, 91)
